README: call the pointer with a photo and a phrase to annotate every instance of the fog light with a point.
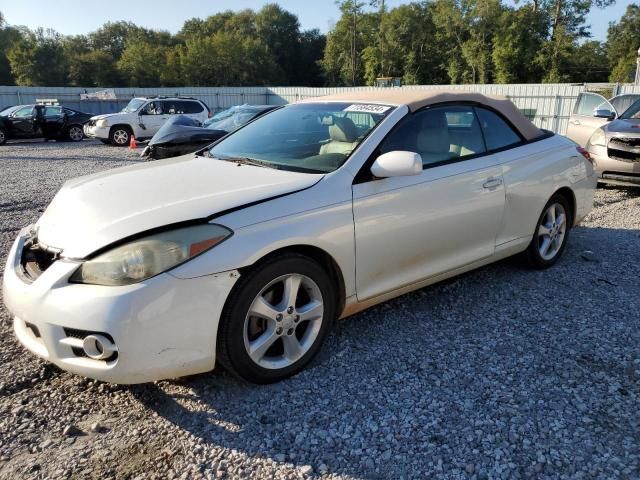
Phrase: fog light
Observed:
(98, 347)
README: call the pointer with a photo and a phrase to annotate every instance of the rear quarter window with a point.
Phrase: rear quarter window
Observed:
(192, 107)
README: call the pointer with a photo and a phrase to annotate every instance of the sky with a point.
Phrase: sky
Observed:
(74, 17)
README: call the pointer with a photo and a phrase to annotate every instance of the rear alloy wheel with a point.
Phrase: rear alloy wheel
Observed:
(276, 320)
(75, 133)
(120, 136)
(3, 136)
(552, 231)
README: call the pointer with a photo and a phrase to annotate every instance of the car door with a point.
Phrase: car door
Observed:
(23, 122)
(153, 116)
(53, 121)
(583, 122)
(411, 228)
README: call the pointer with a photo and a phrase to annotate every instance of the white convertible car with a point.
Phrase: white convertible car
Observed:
(246, 253)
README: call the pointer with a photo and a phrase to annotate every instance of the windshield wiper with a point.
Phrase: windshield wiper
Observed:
(248, 161)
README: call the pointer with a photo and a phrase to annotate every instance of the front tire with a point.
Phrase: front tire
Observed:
(120, 136)
(276, 319)
(551, 233)
(75, 133)
(3, 136)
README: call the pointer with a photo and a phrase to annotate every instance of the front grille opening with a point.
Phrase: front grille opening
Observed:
(33, 328)
(36, 259)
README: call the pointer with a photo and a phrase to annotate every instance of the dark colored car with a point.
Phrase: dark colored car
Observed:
(51, 122)
(182, 135)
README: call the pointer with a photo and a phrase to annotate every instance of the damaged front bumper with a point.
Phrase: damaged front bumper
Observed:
(164, 327)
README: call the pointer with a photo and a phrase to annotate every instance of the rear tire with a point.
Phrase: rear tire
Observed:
(551, 233)
(120, 136)
(276, 319)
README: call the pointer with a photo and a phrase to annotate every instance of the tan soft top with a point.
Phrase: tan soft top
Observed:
(416, 99)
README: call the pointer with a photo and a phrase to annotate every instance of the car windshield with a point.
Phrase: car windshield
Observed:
(305, 137)
(133, 105)
(633, 112)
(230, 119)
(8, 111)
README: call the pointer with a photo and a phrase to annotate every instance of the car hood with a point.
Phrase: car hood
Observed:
(91, 212)
(631, 126)
(105, 115)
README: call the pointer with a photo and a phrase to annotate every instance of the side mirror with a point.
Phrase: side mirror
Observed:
(397, 164)
(608, 114)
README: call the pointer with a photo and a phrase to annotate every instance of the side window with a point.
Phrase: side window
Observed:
(192, 107)
(439, 134)
(52, 111)
(171, 107)
(622, 102)
(497, 133)
(588, 102)
(153, 108)
(23, 112)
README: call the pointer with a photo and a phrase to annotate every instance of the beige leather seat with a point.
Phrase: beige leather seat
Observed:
(343, 135)
(467, 142)
(433, 140)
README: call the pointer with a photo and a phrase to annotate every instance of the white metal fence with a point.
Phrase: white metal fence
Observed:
(548, 105)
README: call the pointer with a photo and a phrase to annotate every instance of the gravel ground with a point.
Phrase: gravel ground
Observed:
(501, 373)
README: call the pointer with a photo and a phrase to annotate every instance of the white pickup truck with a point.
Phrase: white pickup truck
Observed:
(143, 117)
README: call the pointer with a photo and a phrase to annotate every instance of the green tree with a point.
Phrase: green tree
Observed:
(279, 31)
(8, 37)
(519, 35)
(37, 58)
(623, 41)
(342, 61)
(142, 63)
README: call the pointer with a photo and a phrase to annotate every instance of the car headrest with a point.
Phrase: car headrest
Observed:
(434, 134)
(343, 130)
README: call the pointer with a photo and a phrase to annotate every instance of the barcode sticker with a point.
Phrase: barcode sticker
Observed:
(366, 108)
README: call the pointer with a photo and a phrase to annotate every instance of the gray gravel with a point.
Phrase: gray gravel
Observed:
(501, 373)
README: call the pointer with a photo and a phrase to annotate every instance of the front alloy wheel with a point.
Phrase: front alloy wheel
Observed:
(76, 134)
(120, 137)
(275, 319)
(283, 321)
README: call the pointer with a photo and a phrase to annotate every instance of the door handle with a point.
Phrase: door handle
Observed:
(575, 122)
(492, 183)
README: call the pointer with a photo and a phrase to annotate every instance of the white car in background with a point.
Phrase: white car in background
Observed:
(245, 254)
(143, 117)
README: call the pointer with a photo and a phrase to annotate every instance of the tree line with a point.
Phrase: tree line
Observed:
(423, 42)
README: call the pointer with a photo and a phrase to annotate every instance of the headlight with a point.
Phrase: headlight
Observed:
(102, 123)
(598, 138)
(144, 258)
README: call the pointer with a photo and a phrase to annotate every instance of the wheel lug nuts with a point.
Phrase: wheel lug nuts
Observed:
(279, 331)
(290, 310)
(290, 331)
(279, 317)
(297, 318)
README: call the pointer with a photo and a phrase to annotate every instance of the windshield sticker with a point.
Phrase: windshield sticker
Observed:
(366, 108)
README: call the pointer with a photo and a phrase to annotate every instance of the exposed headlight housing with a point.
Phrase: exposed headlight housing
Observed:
(102, 123)
(598, 139)
(146, 257)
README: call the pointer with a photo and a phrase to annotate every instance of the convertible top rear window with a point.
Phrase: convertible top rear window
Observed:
(305, 137)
